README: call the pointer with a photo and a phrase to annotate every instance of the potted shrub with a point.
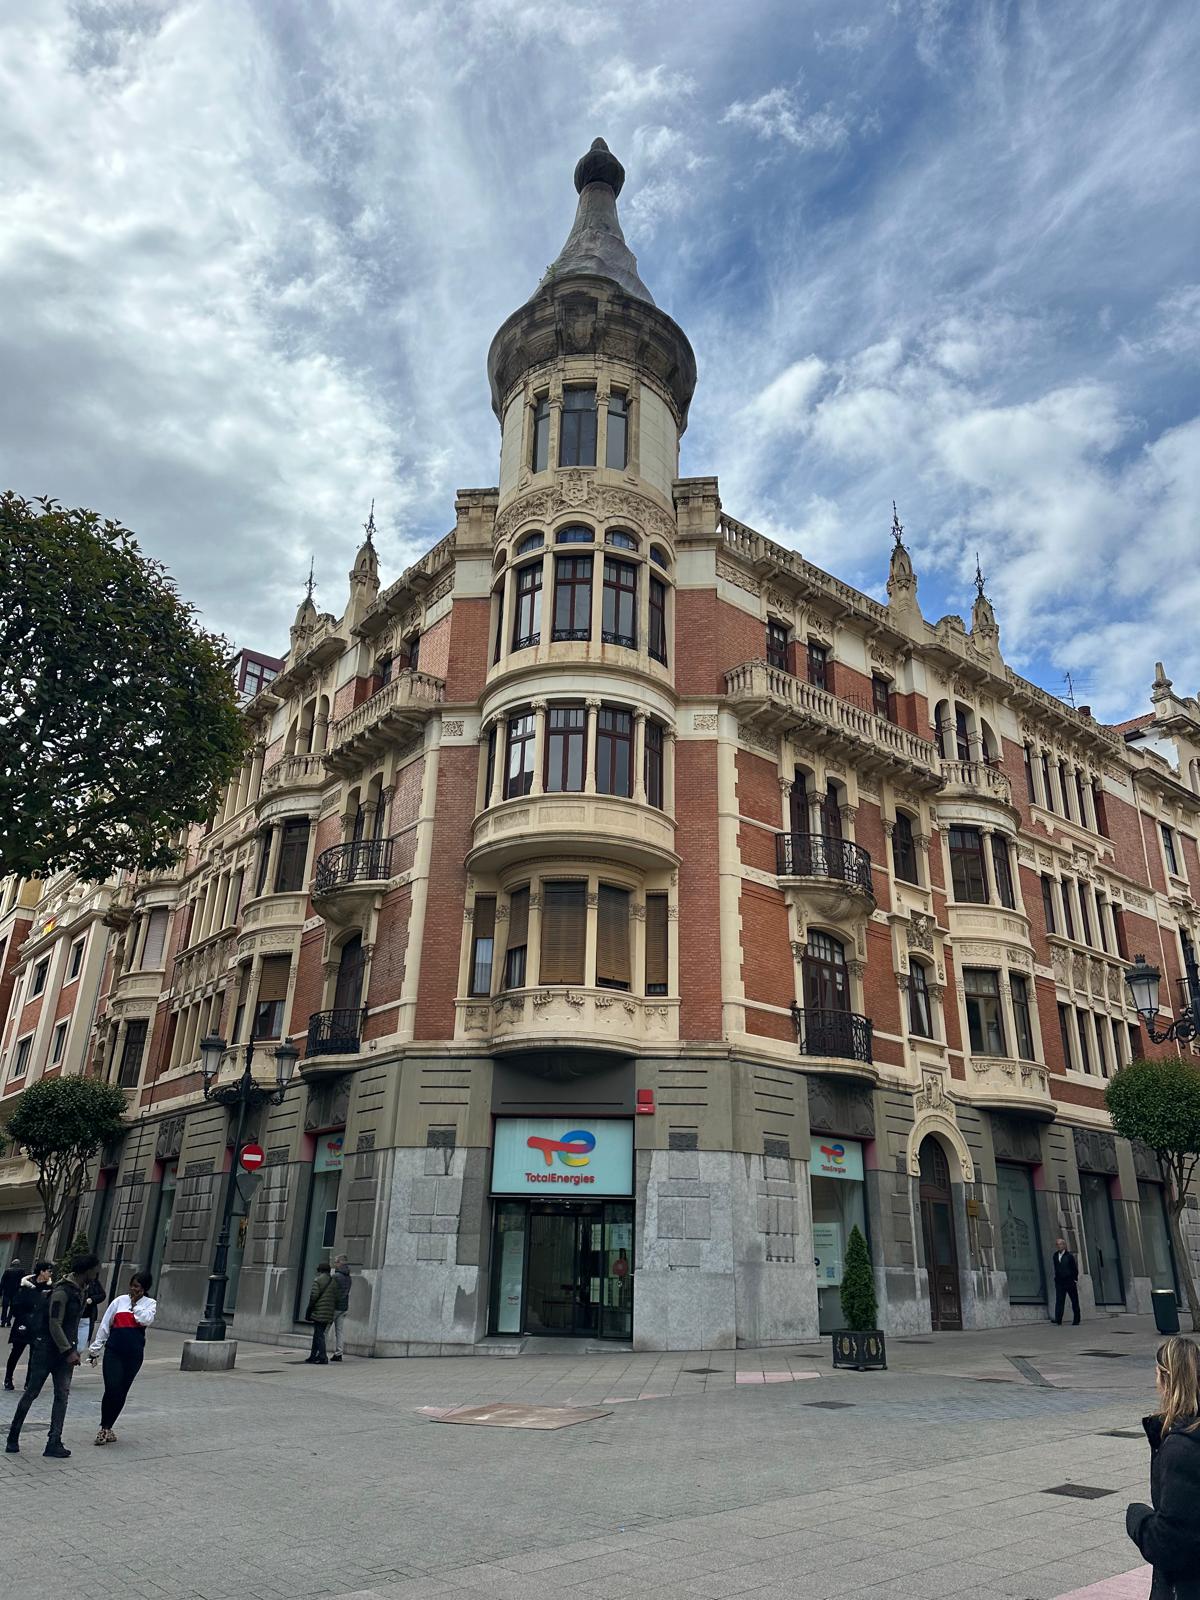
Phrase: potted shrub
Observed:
(860, 1343)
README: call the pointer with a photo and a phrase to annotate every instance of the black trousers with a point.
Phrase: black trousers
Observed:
(17, 1348)
(121, 1367)
(45, 1362)
(317, 1353)
(6, 1311)
(1061, 1293)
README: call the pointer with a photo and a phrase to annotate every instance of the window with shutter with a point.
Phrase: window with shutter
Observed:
(156, 938)
(272, 993)
(483, 940)
(518, 939)
(612, 938)
(564, 932)
(656, 944)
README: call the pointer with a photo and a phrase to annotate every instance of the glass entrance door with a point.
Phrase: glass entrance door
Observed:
(563, 1267)
(1100, 1232)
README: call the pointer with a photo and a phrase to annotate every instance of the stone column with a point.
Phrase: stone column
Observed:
(639, 756)
(499, 763)
(537, 787)
(989, 870)
(533, 936)
(273, 858)
(669, 771)
(589, 776)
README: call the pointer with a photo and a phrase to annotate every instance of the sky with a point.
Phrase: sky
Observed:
(252, 256)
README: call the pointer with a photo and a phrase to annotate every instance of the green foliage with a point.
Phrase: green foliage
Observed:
(60, 1124)
(78, 1246)
(1158, 1102)
(118, 716)
(859, 1310)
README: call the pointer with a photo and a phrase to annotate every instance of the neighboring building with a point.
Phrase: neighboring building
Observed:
(54, 937)
(253, 672)
(651, 907)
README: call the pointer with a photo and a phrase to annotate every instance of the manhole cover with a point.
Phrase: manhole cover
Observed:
(515, 1416)
(703, 1372)
(1122, 1433)
(1079, 1491)
(1107, 1355)
(830, 1405)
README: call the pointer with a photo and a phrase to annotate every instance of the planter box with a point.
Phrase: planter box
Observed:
(863, 1351)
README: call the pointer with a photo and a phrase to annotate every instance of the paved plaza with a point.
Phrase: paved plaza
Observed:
(712, 1474)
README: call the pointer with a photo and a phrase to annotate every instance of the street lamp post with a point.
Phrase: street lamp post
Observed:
(243, 1094)
(1144, 981)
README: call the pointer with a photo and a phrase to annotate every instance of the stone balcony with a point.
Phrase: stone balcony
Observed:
(975, 780)
(594, 825)
(1002, 1083)
(572, 1017)
(393, 715)
(267, 919)
(777, 700)
(132, 991)
(295, 772)
(347, 878)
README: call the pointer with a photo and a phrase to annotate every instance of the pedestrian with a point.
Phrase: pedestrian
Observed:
(10, 1282)
(93, 1298)
(1066, 1281)
(121, 1339)
(53, 1355)
(341, 1282)
(322, 1304)
(29, 1314)
(1167, 1531)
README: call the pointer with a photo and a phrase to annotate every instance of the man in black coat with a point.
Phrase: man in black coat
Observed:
(1066, 1281)
(10, 1282)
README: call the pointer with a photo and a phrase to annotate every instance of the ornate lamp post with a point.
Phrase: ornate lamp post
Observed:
(243, 1094)
(1144, 981)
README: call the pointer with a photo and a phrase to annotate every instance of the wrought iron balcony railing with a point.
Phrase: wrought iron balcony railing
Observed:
(842, 1034)
(337, 1032)
(816, 855)
(360, 861)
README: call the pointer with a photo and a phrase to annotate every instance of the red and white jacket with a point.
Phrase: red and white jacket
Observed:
(123, 1313)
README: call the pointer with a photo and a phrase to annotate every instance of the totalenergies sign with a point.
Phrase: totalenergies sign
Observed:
(549, 1156)
(836, 1158)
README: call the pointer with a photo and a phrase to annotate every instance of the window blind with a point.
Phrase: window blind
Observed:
(273, 979)
(612, 937)
(656, 944)
(564, 932)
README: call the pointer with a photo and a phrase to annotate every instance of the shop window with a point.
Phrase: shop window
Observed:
(527, 611)
(1085, 1054)
(614, 752)
(272, 994)
(1048, 904)
(619, 623)
(572, 598)
(836, 1188)
(131, 1053)
(1168, 839)
(920, 1013)
(985, 1023)
(820, 669)
(617, 443)
(777, 646)
(1064, 1035)
(1003, 871)
(1018, 985)
(881, 697)
(518, 776)
(566, 745)
(1019, 1235)
(564, 932)
(483, 944)
(540, 458)
(21, 1059)
(577, 441)
(658, 620)
(656, 944)
(612, 938)
(293, 856)
(654, 764)
(904, 849)
(968, 875)
(75, 964)
(40, 974)
(59, 1042)
(518, 939)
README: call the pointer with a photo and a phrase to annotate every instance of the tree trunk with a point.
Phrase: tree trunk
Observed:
(1183, 1262)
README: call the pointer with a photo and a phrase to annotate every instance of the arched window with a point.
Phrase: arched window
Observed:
(531, 541)
(659, 556)
(575, 535)
(527, 612)
(904, 849)
(826, 983)
(920, 1012)
(620, 540)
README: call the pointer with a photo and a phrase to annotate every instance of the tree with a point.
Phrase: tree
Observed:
(1158, 1102)
(118, 715)
(859, 1310)
(78, 1246)
(61, 1123)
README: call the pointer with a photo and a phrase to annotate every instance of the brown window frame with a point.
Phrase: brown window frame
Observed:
(1002, 871)
(577, 427)
(619, 602)
(539, 455)
(904, 850)
(657, 944)
(820, 667)
(1022, 1004)
(654, 775)
(516, 954)
(614, 956)
(610, 739)
(618, 407)
(572, 596)
(565, 742)
(987, 1030)
(882, 702)
(972, 858)
(527, 606)
(483, 945)
(779, 640)
(657, 620)
(564, 901)
(293, 855)
(919, 1000)
(520, 737)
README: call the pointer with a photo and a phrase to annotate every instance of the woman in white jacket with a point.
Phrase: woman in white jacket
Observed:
(122, 1339)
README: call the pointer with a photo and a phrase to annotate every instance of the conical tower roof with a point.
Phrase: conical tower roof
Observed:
(595, 246)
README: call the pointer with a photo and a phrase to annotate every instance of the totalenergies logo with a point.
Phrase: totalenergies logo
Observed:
(572, 1150)
(836, 1153)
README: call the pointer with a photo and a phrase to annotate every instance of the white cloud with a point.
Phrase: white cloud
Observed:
(778, 114)
(783, 406)
(851, 38)
(626, 88)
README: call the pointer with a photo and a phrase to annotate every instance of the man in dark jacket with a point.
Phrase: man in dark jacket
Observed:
(53, 1355)
(1168, 1533)
(1066, 1281)
(341, 1282)
(10, 1282)
(322, 1304)
(29, 1315)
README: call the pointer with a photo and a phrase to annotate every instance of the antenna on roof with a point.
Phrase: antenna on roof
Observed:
(1070, 683)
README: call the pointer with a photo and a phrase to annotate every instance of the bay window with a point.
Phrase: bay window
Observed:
(572, 598)
(566, 746)
(614, 752)
(612, 938)
(985, 1022)
(967, 872)
(577, 440)
(518, 773)
(658, 620)
(619, 624)
(564, 932)
(527, 612)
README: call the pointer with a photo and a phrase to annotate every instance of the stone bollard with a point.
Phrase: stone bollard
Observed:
(208, 1355)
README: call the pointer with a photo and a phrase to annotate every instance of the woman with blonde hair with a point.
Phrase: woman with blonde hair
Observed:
(1167, 1532)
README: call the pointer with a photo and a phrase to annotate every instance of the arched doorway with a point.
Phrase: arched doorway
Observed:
(347, 995)
(937, 1226)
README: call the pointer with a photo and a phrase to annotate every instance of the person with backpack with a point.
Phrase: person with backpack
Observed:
(29, 1315)
(322, 1306)
(1167, 1531)
(53, 1355)
(341, 1282)
(121, 1339)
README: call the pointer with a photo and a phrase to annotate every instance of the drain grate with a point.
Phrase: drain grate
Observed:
(1107, 1355)
(995, 1380)
(703, 1372)
(830, 1405)
(1079, 1491)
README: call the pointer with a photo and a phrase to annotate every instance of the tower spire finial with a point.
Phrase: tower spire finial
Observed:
(369, 524)
(311, 584)
(978, 577)
(897, 525)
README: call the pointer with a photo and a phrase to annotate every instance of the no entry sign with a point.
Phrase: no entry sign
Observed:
(252, 1157)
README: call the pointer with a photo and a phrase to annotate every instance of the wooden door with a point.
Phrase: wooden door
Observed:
(937, 1227)
(348, 991)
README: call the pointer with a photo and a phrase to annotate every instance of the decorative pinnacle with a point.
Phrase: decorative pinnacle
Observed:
(978, 577)
(897, 526)
(310, 584)
(599, 166)
(369, 525)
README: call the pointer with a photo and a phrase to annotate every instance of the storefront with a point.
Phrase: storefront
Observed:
(1100, 1236)
(836, 1178)
(320, 1228)
(562, 1251)
(1019, 1239)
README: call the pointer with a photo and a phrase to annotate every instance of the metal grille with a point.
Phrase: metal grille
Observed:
(817, 855)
